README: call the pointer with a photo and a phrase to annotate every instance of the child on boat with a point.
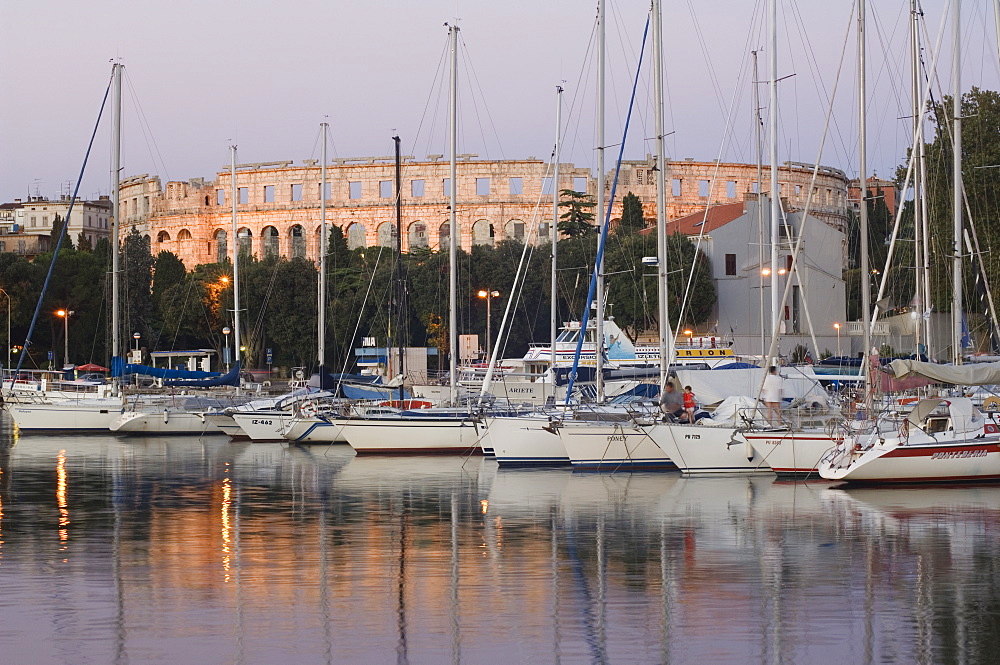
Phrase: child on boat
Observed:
(689, 404)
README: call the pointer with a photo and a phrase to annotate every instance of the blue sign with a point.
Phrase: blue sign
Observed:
(270, 356)
(51, 355)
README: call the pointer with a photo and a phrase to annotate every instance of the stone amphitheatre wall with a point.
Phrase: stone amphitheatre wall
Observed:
(279, 204)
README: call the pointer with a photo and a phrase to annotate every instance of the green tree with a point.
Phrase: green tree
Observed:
(980, 110)
(137, 284)
(167, 271)
(83, 243)
(632, 220)
(578, 220)
(57, 229)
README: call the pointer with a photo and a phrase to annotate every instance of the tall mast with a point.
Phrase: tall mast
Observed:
(323, 242)
(453, 223)
(661, 202)
(599, 318)
(116, 161)
(775, 198)
(399, 263)
(554, 232)
(918, 239)
(956, 80)
(866, 295)
(236, 261)
(760, 210)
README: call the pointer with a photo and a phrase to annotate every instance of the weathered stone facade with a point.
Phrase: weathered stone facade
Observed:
(278, 211)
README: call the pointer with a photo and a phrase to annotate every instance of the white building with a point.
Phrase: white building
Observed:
(26, 225)
(736, 239)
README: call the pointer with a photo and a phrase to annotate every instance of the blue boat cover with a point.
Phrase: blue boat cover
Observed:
(213, 379)
(373, 392)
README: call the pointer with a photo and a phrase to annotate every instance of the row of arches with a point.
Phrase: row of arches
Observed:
(421, 234)
(294, 244)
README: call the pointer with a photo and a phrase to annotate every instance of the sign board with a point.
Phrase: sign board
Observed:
(51, 355)
(270, 356)
(468, 347)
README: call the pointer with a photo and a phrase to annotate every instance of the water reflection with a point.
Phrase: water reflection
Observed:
(204, 551)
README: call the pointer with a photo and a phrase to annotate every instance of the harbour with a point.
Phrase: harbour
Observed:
(192, 549)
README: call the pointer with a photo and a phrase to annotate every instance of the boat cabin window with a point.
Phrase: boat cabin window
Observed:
(573, 335)
(937, 425)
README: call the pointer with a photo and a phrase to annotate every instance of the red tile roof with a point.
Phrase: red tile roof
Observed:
(691, 225)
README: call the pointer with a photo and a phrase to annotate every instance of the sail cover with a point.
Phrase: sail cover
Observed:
(980, 374)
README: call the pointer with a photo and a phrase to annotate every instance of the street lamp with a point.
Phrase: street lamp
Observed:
(837, 326)
(65, 314)
(225, 333)
(689, 333)
(488, 295)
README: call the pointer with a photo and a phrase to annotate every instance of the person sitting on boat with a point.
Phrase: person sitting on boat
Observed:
(689, 405)
(671, 402)
(772, 395)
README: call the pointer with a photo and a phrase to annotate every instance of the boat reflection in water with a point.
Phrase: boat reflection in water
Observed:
(199, 550)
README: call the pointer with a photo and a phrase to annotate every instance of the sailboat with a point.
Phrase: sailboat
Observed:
(46, 411)
(429, 430)
(188, 415)
(941, 439)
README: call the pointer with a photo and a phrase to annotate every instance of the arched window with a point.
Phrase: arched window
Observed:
(221, 246)
(298, 238)
(514, 230)
(245, 237)
(183, 234)
(387, 234)
(418, 235)
(163, 236)
(482, 232)
(356, 236)
(269, 236)
(444, 236)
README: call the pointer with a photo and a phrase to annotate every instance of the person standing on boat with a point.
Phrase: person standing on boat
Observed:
(772, 395)
(689, 404)
(671, 402)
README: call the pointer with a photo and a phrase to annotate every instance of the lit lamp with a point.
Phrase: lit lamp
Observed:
(488, 295)
(225, 333)
(65, 314)
(837, 326)
(690, 340)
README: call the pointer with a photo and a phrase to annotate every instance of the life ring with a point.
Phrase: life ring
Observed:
(991, 404)
(308, 409)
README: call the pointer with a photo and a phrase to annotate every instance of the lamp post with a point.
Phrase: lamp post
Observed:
(837, 326)
(225, 333)
(488, 295)
(65, 314)
(689, 333)
(136, 336)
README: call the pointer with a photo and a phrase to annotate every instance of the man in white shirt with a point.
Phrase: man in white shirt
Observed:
(771, 395)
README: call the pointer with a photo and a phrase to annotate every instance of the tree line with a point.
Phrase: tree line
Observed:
(172, 308)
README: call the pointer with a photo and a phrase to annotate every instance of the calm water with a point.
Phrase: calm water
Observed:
(201, 551)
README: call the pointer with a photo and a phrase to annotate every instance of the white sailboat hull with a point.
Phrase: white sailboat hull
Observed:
(229, 427)
(72, 415)
(792, 453)
(313, 429)
(164, 421)
(968, 459)
(413, 435)
(610, 446)
(524, 442)
(699, 449)
(263, 426)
